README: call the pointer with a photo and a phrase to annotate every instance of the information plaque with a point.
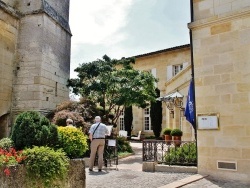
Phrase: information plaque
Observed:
(208, 121)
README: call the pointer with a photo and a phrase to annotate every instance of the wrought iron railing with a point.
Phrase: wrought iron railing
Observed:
(169, 153)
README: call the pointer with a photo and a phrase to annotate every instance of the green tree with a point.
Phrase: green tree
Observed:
(114, 85)
(128, 119)
(156, 115)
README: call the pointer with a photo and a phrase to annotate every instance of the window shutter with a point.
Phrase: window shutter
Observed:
(153, 72)
(185, 65)
(169, 72)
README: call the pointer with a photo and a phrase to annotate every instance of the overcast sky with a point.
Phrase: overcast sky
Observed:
(125, 28)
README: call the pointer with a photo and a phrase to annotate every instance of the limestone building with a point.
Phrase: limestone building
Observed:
(221, 44)
(172, 67)
(35, 42)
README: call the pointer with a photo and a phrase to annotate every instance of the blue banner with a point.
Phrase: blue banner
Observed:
(189, 111)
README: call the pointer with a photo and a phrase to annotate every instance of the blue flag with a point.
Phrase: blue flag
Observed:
(189, 111)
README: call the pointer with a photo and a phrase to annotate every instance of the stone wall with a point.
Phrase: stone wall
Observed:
(159, 61)
(221, 31)
(8, 39)
(35, 42)
(43, 64)
(76, 176)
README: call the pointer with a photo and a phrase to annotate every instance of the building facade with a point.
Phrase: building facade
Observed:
(35, 42)
(172, 68)
(221, 45)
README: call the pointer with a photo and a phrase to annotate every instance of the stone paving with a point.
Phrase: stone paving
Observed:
(129, 174)
(207, 182)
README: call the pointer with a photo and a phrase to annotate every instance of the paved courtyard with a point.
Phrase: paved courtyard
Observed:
(129, 174)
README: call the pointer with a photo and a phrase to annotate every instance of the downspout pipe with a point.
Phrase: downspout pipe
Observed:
(192, 74)
(192, 65)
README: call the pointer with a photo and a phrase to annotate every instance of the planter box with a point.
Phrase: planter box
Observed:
(76, 176)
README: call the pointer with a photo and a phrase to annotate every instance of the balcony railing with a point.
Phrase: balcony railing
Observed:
(168, 153)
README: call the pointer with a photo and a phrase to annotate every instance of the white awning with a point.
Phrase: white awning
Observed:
(170, 96)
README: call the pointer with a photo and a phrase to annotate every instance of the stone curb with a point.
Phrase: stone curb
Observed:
(184, 181)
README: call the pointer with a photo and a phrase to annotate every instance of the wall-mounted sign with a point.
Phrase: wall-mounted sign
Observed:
(208, 121)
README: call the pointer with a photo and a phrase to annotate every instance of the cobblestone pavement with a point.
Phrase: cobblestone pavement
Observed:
(206, 182)
(129, 174)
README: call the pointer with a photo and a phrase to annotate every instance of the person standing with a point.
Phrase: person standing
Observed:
(97, 134)
(69, 123)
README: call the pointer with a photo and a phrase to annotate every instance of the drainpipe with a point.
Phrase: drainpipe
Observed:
(192, 64)
(192, 74)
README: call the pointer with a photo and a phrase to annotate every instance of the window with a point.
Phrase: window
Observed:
(121, 121)
(177, 69)
(147, 123)
(173, 70)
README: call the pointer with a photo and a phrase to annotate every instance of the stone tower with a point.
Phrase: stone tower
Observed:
(35, 42)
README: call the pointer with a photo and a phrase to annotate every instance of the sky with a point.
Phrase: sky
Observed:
(125, 28)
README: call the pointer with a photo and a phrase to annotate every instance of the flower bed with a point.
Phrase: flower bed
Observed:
(76, 176)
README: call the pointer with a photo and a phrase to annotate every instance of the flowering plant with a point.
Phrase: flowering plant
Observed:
(9, 157)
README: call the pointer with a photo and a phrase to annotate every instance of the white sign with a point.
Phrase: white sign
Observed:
(208, 122)
(111, 142)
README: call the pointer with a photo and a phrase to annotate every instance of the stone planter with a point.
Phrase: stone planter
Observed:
(76, 176)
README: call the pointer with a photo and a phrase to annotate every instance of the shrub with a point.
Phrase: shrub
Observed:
(185, 155)
(45, 165)
(166, 131)
(33, 129)
(150, 137)
(72, 141)
(6, 143)
(86, 108)
(123, 145)
(176, 132)
(61, 117)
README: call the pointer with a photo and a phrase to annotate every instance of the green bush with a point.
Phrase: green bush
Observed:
(123, 145)
(6, 143)
(45, 166)
(182, 155)
(176, 132)
(166, 131)
(33, 129)
(72, 141)
(150, 137)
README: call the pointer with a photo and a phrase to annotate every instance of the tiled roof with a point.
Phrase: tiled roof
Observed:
(164, 50)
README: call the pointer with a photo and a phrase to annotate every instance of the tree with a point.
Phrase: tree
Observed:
(156, 115)
(128, 119)
(114, 85)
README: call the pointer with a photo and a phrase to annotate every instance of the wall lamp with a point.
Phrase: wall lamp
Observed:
(172, 100)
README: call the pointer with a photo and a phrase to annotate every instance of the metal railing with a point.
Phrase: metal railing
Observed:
(169, 153)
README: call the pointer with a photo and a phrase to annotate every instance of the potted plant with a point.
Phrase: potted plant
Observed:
(167, 135)
(177, 134)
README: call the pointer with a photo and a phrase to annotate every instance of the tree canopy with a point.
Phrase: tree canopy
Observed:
(114, 85)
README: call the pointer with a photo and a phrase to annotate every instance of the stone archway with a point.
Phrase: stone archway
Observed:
(4, 125)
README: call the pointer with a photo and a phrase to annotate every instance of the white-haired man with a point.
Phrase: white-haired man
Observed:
(97, 134)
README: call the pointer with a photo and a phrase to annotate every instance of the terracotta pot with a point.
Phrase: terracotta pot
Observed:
(168, 139)
(177, 140)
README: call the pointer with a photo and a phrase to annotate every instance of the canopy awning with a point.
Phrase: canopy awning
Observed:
(170, 96)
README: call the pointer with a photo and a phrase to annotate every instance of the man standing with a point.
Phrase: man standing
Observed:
(97, 134)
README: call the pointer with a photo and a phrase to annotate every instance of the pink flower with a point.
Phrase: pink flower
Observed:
(7, 171)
